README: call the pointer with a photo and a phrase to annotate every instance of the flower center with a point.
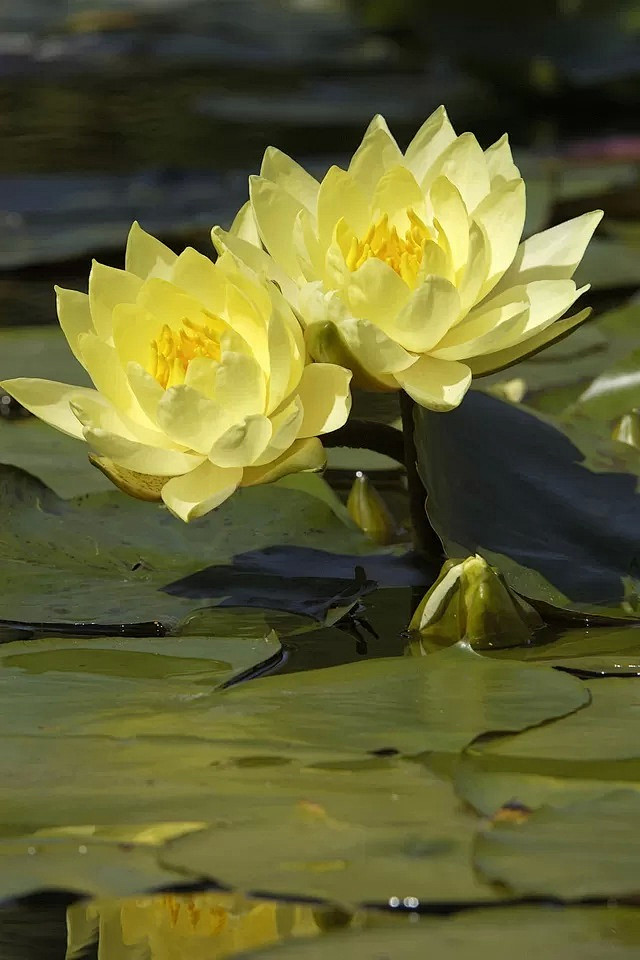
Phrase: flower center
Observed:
(174, 350)
(403, 254)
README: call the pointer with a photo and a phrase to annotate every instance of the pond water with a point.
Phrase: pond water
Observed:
(234, 714)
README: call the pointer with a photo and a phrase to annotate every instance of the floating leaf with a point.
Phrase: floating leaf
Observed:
(588, 849)
(497, 934)
(108, 559)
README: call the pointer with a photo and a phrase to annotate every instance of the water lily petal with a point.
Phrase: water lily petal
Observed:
(425, 319)
(275, 212)
(191, 419)
(49, 400)
(244, 225)
(105, 369)
(501, 359)
(146, 256)
(286, 173)
(256, 259)
(548, 300)
(464, 164)
(325, 396)
(145, 388)
(377, 153)
(450, 215)
(109, 287)
(141, 457)
(394, 192)
(376, 292)
(500, 161)
(501, 216)
(285, 428)
(378, 353)
(553, 254)
(436, 384)
(243, 443)
(330, 342)
(74, 314)
(240, 386)
(511, 326)
(477, 269)
(307, 455)
(198, 277)
(431, 140)
(341, 197)
(196, 493)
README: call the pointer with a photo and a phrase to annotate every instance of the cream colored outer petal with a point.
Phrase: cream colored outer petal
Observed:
(548, 300)
(480, 322)
(244, 225)
(512, 327)
(501, 359)
(341, 197)
(377, 293)
(501, 216)
(94, 411)
(140, 457)
(146, 256)
(240, 386)
(450, 215)
(326, 399)
(553, 254)
(374, 350)
(106, 371)
(432, 310)
(377, 153)
(243, 443)
(477, 269)
(74, 314)
(286, 360)
(50, 401)
(275, 211)
(256, 259)
(431, 140)
(303, 455)
(464, 164)
(109, 287)
(203, 489)
(394, 192)
(436, 384)
(198, 277)
(308, 248)
(249, 321)
(191, 419)
(145, 389)
(281, 169)
(500, 161)
(142, 486)
(332, 343)
(285, 428)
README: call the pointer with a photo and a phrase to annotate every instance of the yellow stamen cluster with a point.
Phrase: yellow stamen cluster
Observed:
(403, 254)
(188, 912)
(174, 350)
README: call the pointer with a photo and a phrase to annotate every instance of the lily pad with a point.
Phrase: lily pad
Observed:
(304, 762)
(105, 558)
(588, 849)
(602, 651)
(586, 755)
(595, 933)
(560, 533)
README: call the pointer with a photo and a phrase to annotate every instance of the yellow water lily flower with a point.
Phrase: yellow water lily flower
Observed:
(408, 267)
(201, 378)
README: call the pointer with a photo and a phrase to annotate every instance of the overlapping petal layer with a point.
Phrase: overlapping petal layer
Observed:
(408, 267)
(201, 374)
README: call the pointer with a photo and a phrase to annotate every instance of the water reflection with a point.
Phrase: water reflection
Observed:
(198, 926)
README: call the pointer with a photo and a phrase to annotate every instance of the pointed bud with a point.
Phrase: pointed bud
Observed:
(627, 430)
(470, 601)
(369, 511)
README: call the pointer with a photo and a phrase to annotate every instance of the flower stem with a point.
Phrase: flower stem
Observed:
(426, 540)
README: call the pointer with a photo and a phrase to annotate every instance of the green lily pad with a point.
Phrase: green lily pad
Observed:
(604, 651)
(588, 849)
(106, 558)
(303, 762)
(81, 866)
(586, 933)
(582, 756)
